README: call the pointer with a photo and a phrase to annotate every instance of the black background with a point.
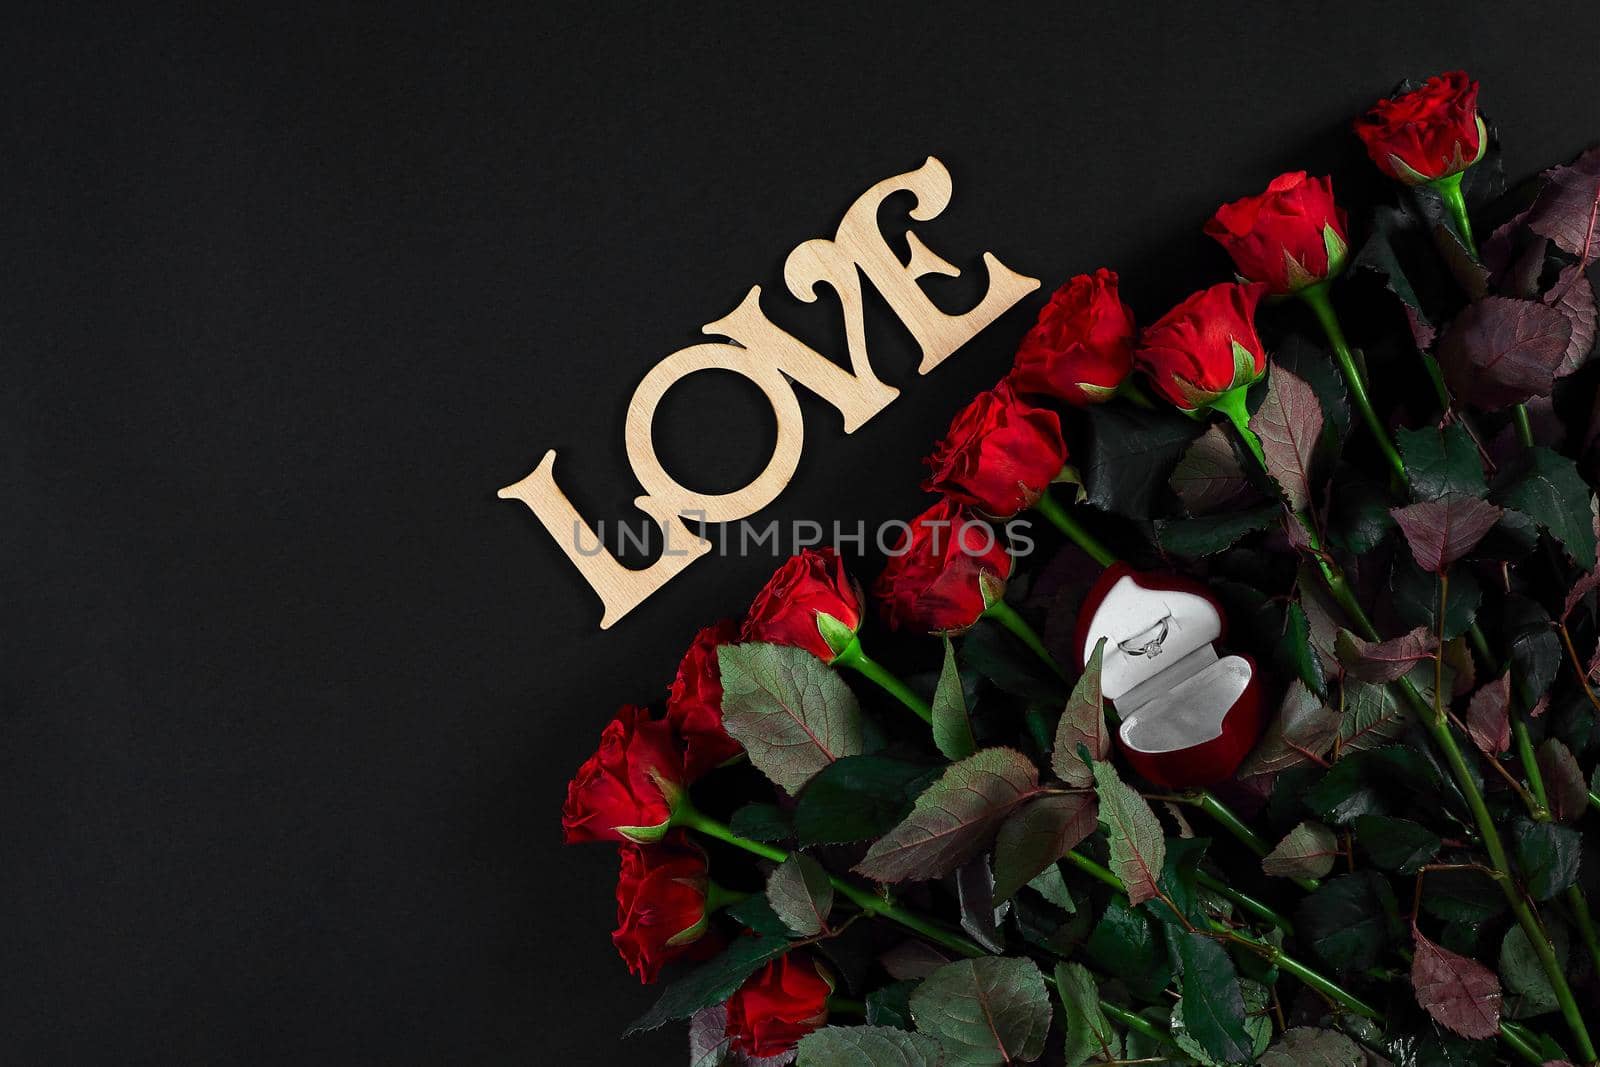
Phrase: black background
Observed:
(289, 698)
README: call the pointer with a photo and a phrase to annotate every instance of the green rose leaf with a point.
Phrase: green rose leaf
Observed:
(1294, 654)
(1370, 716)
(801, 895)
(711, 982)
(1535, 648)
(1524, 971)
(952, 724)
(792, 713)
(858, 798)
(1416, 598)
(1209, 534)
(1209, 478)
(1138, 847)
(868, 1046)
(991, 1010)
(1090, 1034)
(1546, 487)
(1289, 422)
(762, 822)
(1212, 1004)
(1307, 851)
(1302, 731)
(1125, 943)
(955, 818)
(1306, 1046)
(1034, 837)
(1441, 461)
(1547, 855)
(1052, 885)
(1462, 896)
(1349, 920)
(1396, 844)
(890, 1005)
(1131, 453)
(1082, 722)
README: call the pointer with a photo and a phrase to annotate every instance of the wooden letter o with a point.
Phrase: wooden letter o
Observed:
(660, 487)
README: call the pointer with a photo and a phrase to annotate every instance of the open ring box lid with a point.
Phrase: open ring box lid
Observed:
(1187, 712)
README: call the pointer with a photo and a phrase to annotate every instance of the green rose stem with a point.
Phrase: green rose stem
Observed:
(858, 661)
(1051, 509)
(686, 815)
(1007, 616)
(1449, 190)
(1316, 298)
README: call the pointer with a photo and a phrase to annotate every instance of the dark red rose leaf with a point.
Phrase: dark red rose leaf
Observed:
(1460, 993)
(1470, 274)
(1209, 477)
(1580, 589)
(1289, 422)
(1522, 277)
(1502, 244)
(1488, 720)
(1384, 661)
(1573, 296)
(1567, 206)
(1563, 781)
(1422, 331)
(1501, 351)
(1442, 531)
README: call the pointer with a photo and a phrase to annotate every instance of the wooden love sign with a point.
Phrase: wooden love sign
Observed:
(775, 361)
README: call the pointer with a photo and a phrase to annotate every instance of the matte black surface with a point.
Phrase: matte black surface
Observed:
(289, 698)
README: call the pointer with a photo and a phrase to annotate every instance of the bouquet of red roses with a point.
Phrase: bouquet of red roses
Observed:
(1293, 773)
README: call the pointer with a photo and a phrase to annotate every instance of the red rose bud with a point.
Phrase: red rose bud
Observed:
(1206, 346)
(779, 1005)
(810, 603)
(1291, 236)
(1426, 134)
(1000, 454)
(626, 791)
(694, 702)
(1081, 348)
(661, 903)
(949, 567)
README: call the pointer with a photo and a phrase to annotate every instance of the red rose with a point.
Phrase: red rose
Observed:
(949, 567)
(626, 790)
(778, 1005)
(1291, 236)
(661, 903)
(790, 609)
(1206, 346)
(1081, 348)
(1000, 454)
(1428, 133)
(694, 703)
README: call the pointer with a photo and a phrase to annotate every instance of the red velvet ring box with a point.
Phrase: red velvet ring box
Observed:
(1189, 716)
